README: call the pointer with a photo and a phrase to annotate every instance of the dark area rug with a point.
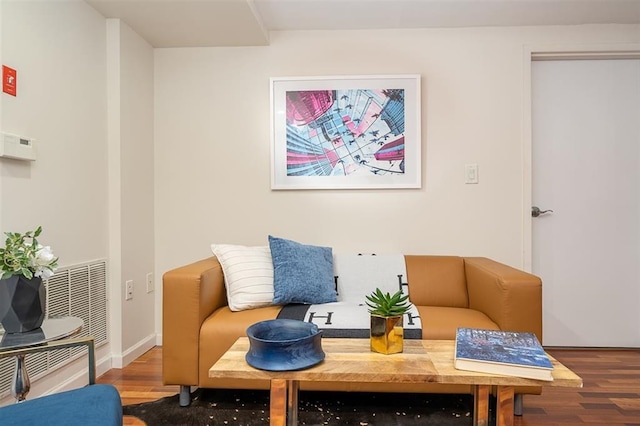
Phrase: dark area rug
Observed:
(251, 407)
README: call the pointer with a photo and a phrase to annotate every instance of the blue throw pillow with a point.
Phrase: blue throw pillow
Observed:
(301, 273)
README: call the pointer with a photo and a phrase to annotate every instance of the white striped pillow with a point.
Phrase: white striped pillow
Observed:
(248, 275)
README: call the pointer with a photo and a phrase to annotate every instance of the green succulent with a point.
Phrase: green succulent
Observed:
(386, 305)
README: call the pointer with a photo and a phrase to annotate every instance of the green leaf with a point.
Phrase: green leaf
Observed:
(19, 255)
(384, 304)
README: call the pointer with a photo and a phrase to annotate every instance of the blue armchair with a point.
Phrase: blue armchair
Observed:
(96, 405)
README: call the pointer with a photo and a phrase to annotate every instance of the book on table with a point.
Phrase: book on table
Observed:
(507, 353)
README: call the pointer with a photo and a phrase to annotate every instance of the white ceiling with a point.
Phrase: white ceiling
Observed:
(195, 23)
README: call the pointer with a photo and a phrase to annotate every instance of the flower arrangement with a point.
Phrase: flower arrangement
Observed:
(23, 255)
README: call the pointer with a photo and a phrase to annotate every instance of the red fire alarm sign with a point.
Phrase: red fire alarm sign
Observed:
(9, 80)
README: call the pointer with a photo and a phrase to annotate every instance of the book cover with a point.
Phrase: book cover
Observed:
(501, 352)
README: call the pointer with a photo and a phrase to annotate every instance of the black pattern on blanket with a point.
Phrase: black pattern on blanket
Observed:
(357, 276)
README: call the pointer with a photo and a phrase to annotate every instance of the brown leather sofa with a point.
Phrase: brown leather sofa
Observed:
(449, 292)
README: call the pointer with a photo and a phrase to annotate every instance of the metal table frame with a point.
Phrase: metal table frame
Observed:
(21, 384)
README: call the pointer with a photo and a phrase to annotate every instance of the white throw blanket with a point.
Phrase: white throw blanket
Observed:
(357, 276)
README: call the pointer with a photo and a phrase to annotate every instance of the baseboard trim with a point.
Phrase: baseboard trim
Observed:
(81, 378)
(131, 354)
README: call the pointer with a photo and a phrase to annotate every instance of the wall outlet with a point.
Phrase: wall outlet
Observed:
(149, 282)
(128, 290)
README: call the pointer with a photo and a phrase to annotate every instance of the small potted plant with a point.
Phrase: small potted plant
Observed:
(387, 312)
(23, 264)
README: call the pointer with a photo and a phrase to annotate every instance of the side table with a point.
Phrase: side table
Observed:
(55, 333)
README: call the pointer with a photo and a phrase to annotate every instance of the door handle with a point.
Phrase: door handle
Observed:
(535, 211)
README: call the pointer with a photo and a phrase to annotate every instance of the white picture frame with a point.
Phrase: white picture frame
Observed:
(346, 132)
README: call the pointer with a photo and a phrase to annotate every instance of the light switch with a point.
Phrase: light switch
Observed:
(470, 173)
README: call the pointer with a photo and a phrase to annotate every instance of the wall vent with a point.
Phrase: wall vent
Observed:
(80, 291)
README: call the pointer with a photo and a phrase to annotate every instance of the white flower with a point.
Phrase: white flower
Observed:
(44, 256)
(23, 255)
(42, 263)
(45, 273)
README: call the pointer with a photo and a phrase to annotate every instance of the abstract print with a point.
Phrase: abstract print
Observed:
(350, 132)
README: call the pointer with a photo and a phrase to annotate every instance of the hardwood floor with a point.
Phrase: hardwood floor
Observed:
(140, 381)
(610, 396)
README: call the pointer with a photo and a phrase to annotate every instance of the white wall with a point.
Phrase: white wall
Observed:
(212, 143)
(131, 203)
(61, 103)
(91, 204)
(137, 185)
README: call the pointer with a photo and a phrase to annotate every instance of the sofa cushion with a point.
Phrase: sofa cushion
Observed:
(437, 281)
(441, 323)
(302, 273)
(219, 331)
(248, 275)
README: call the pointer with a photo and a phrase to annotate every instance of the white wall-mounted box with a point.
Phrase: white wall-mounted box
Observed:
(18, 147)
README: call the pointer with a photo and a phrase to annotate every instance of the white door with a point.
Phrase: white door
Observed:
(586, 168)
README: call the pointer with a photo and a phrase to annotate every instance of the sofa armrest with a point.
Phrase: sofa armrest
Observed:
(510, 297)
(190, 294)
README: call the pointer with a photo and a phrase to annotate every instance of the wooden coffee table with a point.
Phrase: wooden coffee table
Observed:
(351, 360)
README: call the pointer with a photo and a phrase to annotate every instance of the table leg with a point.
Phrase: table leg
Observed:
(278, 403)
(91, 355)
(504, 409)
(481, 405)
(20, 385)
(292, 402)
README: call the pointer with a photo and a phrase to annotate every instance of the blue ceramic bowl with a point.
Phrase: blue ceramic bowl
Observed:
(284, 345)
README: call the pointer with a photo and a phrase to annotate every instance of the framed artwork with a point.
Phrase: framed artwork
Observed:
(345, 132)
